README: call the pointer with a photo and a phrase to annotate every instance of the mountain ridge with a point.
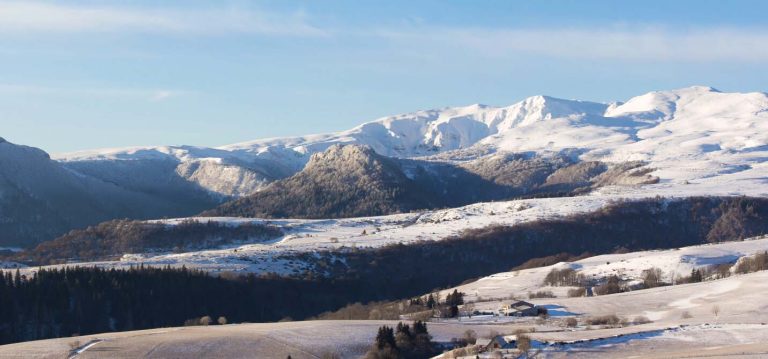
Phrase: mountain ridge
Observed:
(433, 126)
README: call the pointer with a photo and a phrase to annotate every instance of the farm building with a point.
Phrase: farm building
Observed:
(519, 309)
(497, 342)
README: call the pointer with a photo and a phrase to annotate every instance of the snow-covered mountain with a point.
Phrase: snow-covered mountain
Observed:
(40, 199)
(686, 134)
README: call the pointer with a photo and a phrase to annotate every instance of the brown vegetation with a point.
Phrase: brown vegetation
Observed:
(110, 240)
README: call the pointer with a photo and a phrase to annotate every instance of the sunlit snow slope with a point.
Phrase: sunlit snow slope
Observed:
(686, 134)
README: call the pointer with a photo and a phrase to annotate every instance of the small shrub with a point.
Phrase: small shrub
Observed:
(652, 277)
(541, 294)
(523, 343)
(470, 336)
(716, 310)
(330, 355)
(206, 320)
(611, 286)
(519, 331)
(542, 312)
(610, 319)
(640, 319)
(571, 322)
(577, 292)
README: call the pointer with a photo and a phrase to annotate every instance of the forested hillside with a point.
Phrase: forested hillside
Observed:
(355, 181)
(110, 240)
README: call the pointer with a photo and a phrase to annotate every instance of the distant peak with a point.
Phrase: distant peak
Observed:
(2, 140)
(545, 99)
(340, 150)
(703, 88)
(539, 98)
(697, 89)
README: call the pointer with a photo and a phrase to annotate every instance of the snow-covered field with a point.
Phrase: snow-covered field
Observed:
(723, 317)
(307, 339)
(627, 266)
(738, 330)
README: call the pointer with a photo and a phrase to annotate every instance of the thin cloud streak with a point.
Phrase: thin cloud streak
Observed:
(639, 44)
(153, 95)
(31, 17)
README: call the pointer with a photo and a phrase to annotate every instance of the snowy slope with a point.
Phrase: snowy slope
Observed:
(427, 132)
(628, 266)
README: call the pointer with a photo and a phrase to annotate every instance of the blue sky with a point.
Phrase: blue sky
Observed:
(87, 74)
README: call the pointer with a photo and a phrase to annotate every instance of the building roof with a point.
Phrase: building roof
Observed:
(520, 305)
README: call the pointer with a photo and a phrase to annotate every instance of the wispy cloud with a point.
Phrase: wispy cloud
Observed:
(153, 95)
(162, 95)
(29, 17)
(643, 43)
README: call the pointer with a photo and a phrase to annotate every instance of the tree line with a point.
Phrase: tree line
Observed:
(78, 301)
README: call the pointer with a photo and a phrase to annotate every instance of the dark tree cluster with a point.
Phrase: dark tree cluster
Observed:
(696, 276)
(428, 301)
(453, 301)
(403, 342)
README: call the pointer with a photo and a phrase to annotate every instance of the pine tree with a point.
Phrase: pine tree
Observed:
(385, 338)
(431, 302)
(696, 276)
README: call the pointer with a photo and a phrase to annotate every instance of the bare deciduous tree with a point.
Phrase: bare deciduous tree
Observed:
(206, 320)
